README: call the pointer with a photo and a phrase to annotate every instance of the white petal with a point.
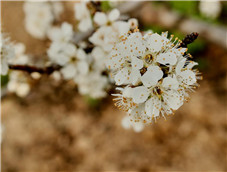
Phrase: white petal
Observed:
(152, 76)
(155, 42)
(167, 58)
(135, 44)
(140, 94)
(82, 67)
(85, 25)
(170, 83)
(137, 126)
(173, 99)
(98, 53)
(100, 18)
(191, 64)
(81, 54)
(23, 89)
(126, 123)
(188, 77)
(152, 107)
(121, 76)
(180, 65)
(114, 15)
(135, 76)
(137, 63)
(69, 71)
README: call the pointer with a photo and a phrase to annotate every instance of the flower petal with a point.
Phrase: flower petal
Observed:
(140, 94)
(114, 15)
(100, 18)
(167, 58)
(154, 42)
(170, 83)
(69, 71)
(188, 77)
(173, 99)
(152, 76)
(121, 76)
(152, 107)
(180, 65)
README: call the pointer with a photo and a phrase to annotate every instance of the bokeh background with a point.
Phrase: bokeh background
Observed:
(55, 129)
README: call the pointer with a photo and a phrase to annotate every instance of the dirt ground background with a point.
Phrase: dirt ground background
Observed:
(53, 129)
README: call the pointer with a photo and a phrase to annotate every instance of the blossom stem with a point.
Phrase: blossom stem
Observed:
(30, 69)
(190, 38)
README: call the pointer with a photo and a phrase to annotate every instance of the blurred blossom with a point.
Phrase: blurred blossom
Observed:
(39, 17)
(210, 9)
(7, 53)
(18, 83)
(82, 14)
(20, 57)
(127, 124)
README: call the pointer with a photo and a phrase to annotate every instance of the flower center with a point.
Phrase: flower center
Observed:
(148, 58)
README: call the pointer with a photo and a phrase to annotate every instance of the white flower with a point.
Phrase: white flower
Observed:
(38, 18)
(18, 83)
(20, 57)
(107, 36)
(82, 14)
(7, 53)
(99, 56)
(93, 84)
(61, 52)
(76, 66)
(63, 34)
(156, 73)
(101, 18)
(136, 126)
(57, 8)
(210, 9)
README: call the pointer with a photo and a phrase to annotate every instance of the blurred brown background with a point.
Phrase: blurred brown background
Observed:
(54, 129)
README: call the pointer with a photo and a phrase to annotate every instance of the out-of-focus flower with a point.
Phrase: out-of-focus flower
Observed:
(210, 9)
(156, 73)
(106, 36)
(82, 14)
(18, 83)
(7, 53)
(62, 34)
(127, 124)
(39, 17)
(93, 84)
(76, 66)
(20, 57)
(101, 18)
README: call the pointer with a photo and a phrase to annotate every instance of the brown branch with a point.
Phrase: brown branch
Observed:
(30, 69)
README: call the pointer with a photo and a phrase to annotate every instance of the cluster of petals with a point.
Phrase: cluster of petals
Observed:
(153, 73)
(65, 53)
(82, 14)
(39, 17)
(7, 53)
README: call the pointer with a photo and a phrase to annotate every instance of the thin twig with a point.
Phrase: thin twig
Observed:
(30, 69)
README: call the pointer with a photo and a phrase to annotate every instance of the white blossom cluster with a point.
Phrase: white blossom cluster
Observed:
(7, 53)
(86, 68)
(153, 75)
(39, 17)
(77, 65)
